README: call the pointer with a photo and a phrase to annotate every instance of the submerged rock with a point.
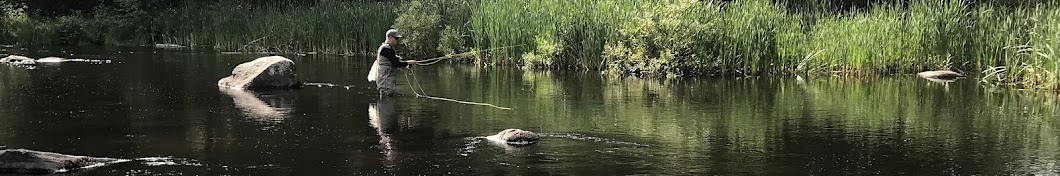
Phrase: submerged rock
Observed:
(52, 60)
(18, 60)
(941, 75)
(515, 137)
(37, 162)
(263, 73)
(168, 46)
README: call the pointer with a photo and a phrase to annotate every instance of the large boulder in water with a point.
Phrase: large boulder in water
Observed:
(36, 162)
(263, 73)
(516, 137)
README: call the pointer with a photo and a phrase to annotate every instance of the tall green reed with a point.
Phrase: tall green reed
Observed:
(351, 28)
(1014, 42)
(1036, 63)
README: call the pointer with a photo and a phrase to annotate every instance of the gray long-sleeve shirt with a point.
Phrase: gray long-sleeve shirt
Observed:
(388, 56)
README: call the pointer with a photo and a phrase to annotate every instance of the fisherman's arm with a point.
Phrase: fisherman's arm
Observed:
(395, 60)
(410, 62)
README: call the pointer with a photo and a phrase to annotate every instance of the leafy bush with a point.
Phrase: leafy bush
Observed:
(451, 41)
(14, 21)
(547, 49)
(420, 24)
(433, 27)
(662, 39)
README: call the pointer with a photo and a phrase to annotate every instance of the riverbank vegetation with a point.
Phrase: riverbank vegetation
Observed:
(1007, 42)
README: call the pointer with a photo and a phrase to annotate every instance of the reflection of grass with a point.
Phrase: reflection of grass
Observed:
(751, 117)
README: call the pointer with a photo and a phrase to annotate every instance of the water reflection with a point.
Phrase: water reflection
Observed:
(593, 125)
(383, 117)
(392, 127)
(266, 106)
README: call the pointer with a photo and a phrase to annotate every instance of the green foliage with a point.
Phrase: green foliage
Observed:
(661, 37)
(757, 37)
(1036, 63)
(431, 28)
(451, 41)
(348, 28)
(23, 30)
(579, 27)
(7, 11)
(128, 22)
(547, 50)
(1013, 40)
(420, 23)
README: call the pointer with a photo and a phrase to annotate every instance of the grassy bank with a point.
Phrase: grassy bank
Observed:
(1009, 42)
(328, 27)
(1014, 43)
(335, 27)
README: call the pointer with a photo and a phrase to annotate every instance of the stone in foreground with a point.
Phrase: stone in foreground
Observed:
(516, 137)
(263, 73)
(22, 161)
(18, 60)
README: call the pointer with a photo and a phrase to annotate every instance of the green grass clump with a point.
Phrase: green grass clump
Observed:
(1036, 63)
(547, 33)
(761, 37)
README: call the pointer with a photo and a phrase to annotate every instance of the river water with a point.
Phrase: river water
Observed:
(163, 109)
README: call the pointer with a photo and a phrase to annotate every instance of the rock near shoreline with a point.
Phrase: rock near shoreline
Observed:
(22, 161)
(18, 60)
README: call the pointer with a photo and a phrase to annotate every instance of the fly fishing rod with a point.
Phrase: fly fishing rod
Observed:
(432, 61)
(435, 60)
(424, 94)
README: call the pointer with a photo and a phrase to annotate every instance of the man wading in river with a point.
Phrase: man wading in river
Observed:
(386, 63)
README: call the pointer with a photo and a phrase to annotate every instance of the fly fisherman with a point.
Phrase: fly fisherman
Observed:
(383, 71)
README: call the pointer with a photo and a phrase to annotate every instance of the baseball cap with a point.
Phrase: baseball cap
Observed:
(393, 33)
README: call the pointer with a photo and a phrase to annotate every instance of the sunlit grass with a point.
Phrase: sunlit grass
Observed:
(1034, 63)
(352, 28)
(1015, 44)
(759, 37)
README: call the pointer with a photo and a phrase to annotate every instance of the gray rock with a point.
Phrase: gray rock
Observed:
(263, 73)
(516, 137)
(24, 161)
(52, 60)
(940, 75)
(168, 46)
(18, 60)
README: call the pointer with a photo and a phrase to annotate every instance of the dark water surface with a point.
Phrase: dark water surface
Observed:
(163, 108)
